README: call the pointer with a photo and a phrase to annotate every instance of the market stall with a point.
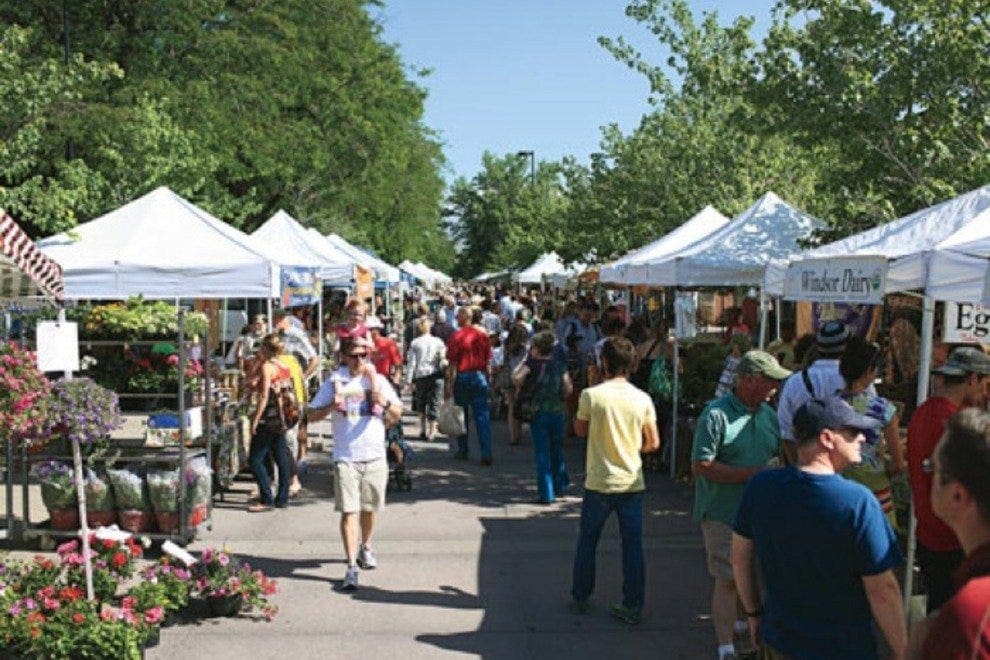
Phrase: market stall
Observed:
(633, 268)
(735, 255)
(935, 251)
(161, 246)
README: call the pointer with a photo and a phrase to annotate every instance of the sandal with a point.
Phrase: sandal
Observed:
(259, 508)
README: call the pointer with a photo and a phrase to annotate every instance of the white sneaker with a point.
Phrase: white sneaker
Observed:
(366, 558)
(350, 579)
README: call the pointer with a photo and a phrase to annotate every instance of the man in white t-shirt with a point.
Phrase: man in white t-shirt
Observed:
(361, 412)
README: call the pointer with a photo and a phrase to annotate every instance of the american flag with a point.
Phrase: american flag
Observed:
(24, 270)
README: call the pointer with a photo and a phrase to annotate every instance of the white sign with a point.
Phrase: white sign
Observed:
(966, 323)
(58, 346)
(841, 279)
(685, 314)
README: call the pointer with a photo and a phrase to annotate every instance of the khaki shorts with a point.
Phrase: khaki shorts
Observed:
(360, 486)
(718, 548)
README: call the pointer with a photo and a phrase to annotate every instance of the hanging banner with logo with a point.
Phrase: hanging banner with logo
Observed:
(300, 286)
(966, 323)
(364, 283)
(840, 279)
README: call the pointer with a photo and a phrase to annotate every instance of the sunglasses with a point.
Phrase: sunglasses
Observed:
(362, 354)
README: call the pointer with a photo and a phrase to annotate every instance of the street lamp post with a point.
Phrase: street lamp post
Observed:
(529, 153)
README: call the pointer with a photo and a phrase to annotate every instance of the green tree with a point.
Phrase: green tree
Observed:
(250, 106)
(502, 218)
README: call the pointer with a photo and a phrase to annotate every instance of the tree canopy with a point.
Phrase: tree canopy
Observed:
(857, 111)
(243, 106)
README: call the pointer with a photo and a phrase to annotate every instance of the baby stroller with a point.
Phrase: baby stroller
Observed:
(398, 452)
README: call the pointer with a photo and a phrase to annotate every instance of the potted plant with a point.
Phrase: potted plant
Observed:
(175, 584)
(228, 585)
(163, 490)
(133, 503)
(23, 396)
(58, 493)
(100, 508)
(81, 410)
(113, 562)
(199, 483)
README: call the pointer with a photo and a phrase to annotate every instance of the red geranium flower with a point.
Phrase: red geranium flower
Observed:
(119, 559)
(78, 618)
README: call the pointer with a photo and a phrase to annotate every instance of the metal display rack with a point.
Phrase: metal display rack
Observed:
(169, 455)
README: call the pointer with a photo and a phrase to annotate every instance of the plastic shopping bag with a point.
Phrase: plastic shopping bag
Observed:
(450, 419)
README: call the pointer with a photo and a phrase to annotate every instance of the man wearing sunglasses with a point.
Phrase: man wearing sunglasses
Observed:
(361, 410)
(960, 382)
(960, 496)
(826, 552)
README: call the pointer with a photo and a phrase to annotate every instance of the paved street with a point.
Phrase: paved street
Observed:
(469, 566)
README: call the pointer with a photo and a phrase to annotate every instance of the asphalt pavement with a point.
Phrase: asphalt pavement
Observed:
(469, 566)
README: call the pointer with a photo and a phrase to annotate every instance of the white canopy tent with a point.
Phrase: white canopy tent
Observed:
(633, 268)
(737, 254)
(943, 249)
(162, 246)
(441, 277)
(383, 271)
(903, 249)
(429, 277)
(960, 267)
(546, 264)
(283, 235)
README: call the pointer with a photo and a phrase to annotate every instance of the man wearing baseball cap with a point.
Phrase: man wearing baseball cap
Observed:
(819, 380)
(825, 550)
(961, 382)
(736, 437)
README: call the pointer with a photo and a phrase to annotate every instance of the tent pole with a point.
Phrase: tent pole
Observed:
(764, 304)
(924, 376)
(674, 399)
(269, 315)
(778, 306)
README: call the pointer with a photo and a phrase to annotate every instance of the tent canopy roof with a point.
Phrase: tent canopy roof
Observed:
(737, 254)
(632, 268)
(383, 271)
(24, 270)
(284, 235)
(907, 242)
(546, 264)
(161, 246)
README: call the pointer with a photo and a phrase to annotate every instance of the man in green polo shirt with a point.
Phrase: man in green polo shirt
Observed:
(736, 436)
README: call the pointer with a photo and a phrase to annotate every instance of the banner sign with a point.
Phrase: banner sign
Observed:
(966, 323)
(839, 279)
(364, 283)
(58, 346)
(300, 286)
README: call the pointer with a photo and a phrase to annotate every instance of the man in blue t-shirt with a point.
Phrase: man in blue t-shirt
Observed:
(824, 548)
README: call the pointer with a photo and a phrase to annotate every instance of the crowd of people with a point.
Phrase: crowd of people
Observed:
(792, 458)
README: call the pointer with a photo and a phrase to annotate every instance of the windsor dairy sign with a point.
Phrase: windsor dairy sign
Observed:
(841, 279)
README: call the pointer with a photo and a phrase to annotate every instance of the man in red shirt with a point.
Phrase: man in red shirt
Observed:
(385, 353)
(938, 550)
(961, 497)
(469, 354)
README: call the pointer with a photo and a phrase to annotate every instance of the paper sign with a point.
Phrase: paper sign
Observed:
(685, 314)
(58, 346)
(966, 323)
(300, 286)
(841, 279)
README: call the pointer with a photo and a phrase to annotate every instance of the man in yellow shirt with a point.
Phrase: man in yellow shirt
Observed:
(619, 421)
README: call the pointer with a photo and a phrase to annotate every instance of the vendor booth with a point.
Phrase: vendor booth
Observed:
(633, 268)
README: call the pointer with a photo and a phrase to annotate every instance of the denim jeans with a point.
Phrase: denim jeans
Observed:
(595, 510)
(263, 442)
(548, 437)
(471, 393)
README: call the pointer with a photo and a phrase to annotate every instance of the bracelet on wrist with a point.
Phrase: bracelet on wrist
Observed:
(755, 615)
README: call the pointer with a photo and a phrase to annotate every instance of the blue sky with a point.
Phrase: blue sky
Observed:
(511, 75)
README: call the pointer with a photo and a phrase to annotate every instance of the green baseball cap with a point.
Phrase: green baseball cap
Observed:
(763, 364)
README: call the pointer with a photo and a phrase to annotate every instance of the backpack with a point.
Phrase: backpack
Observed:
(526, 401)
(282, 411)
